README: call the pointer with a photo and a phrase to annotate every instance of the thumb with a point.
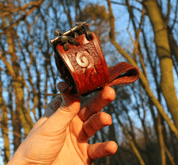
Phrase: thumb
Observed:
(51, 135)
(68, 101)
(69, 108)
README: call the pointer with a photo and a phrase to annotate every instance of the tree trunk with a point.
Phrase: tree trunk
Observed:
(164, 53)
(16, 128)
(18, 88)
(173, 45)
(18, 81)
(161, 141)
(4, 126)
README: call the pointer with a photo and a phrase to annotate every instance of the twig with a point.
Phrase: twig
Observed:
(50, 94)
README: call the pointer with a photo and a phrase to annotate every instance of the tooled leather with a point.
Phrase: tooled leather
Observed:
(86, 64)
(88, 67)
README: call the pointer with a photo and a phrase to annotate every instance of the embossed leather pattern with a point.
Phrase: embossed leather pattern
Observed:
(84, 68)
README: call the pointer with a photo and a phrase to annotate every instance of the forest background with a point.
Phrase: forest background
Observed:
(141, 32)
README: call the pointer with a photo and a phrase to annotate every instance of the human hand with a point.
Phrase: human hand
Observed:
(61, 136)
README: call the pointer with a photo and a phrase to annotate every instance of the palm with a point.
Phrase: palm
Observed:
(89, 120)
(74, 150)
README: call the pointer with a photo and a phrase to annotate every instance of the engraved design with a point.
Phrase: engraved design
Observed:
(83, 59)
(86, 60)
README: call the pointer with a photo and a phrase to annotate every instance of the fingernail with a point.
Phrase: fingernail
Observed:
(62, 86)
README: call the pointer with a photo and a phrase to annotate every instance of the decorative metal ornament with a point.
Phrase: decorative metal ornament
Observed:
(81, 63)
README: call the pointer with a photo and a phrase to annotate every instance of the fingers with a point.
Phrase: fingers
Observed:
(100, 150)
(97, 103)
(96, 122)
(59, 121)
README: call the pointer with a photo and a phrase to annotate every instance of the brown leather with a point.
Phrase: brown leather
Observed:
(84, 68)
(122, 73)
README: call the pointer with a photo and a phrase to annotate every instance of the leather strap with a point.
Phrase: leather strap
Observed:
(122, 73)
